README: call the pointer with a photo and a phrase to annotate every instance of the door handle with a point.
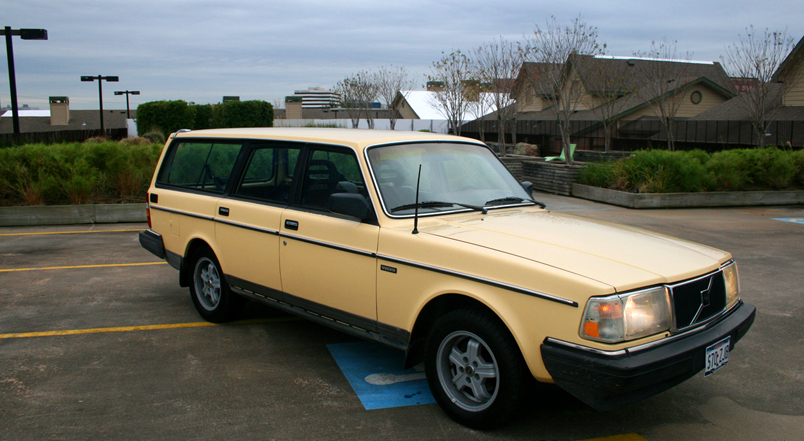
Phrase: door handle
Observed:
(291, 225)
(223, 211)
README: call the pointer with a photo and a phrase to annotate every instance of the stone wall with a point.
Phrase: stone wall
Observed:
(556, 178)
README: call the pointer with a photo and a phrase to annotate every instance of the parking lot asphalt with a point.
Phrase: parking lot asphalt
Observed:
(98, 341)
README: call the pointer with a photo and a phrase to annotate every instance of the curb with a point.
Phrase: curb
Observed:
(688, 200)
(71, 214)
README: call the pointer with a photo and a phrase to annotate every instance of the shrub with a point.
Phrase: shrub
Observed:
(77, 173)
(730, 170)
(242, 114)
(156, 137)
(773, 168)
(165, 116)
(599, 174)
(139, 140)
(660, 171)
(797, 158)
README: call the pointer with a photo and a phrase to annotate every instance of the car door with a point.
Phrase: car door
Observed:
(327, 261)
(247, 222)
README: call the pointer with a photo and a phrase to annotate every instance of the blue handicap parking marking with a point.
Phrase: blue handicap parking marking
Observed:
(376, 375)
(795, 220)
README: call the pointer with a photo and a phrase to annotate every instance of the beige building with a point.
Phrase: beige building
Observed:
(630, 85)
(792, 70)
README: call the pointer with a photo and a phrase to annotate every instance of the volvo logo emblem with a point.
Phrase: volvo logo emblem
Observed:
(706, 295)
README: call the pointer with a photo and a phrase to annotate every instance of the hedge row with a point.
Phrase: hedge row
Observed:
(169, 116)
(77, 173)
(660, 171)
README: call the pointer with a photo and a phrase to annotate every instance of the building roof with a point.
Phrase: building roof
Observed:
(79, 120)
(424, 104)
(602, 73)
(26, 113)
(636, 72)
(530, 74)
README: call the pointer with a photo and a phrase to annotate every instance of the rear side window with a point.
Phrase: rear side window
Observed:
(269, 174)
(200, 165)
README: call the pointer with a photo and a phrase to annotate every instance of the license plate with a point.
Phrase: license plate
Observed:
(717, 355)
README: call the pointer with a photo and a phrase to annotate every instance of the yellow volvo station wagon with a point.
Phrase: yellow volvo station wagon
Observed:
(427, 243)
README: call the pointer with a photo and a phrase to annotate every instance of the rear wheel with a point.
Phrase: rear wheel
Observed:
(475, 370)
(211, 295)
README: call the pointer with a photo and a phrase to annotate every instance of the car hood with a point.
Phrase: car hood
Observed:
(617, 255)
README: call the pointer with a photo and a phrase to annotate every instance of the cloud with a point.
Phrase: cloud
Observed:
(201, 50)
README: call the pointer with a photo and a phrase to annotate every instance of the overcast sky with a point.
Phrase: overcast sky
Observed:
(202, 50)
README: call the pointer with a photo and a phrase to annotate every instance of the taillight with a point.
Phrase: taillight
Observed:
(148, 208)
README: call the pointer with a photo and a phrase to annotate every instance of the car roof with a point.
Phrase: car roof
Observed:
(357, 138)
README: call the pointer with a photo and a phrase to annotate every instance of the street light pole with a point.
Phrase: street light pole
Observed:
(100, 79)
(127, 93)
(25, 34)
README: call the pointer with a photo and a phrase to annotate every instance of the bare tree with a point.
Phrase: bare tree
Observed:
(480, 103)
(390, 81)
(367, 93)
(357, 93)
(613, 86)
(663, 84)
(559, 53)
(348, 89)
(497, 63)
(453, 74)
(757, 56)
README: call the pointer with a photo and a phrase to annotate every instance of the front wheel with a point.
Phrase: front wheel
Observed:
(211, 295)
(474, 368)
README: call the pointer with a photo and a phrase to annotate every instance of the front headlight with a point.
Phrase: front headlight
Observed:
(629, 316)
(732, 278)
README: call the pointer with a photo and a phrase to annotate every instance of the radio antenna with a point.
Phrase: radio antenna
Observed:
(416, 205)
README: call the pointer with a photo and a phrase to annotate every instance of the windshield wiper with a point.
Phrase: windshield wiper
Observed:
(431, 204)
(513, 199)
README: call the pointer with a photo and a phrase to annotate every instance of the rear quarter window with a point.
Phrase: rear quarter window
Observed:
(197, 165)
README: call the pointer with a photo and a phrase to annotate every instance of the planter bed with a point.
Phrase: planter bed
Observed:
(71, 214)
(688, 200)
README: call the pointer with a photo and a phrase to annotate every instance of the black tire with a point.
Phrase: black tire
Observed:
(211, 295)
(478, 343)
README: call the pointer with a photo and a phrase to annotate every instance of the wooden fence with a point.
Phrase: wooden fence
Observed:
(635, 135)
(11, 139)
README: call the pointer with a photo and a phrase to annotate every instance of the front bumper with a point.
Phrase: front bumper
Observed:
(607, 380)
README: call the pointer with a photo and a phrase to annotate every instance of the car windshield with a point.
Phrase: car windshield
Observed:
(454, 176)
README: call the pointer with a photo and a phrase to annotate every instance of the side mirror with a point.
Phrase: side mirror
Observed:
(528, 186)
(350, 204)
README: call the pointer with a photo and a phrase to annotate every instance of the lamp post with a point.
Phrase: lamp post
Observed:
(25, 34)
(100, 79)
(127, 93)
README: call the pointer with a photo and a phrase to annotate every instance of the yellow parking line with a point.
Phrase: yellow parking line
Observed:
(70, 232)
(140, 328)
(625, 437)
(8, 270)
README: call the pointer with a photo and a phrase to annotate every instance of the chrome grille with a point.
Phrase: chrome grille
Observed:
(698, 300)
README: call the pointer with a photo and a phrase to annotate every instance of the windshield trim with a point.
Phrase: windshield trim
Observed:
(387, 210)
